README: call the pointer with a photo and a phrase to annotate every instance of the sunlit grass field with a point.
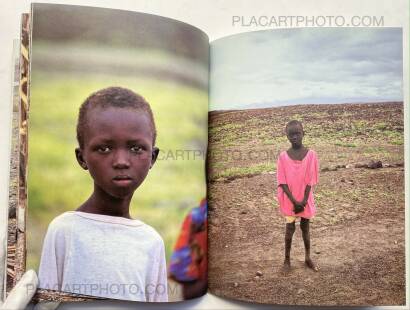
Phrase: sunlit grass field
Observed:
(57, 184)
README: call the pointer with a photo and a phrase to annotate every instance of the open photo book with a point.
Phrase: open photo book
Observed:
(149, 164)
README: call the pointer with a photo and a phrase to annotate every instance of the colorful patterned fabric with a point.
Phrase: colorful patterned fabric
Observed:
(189, 260)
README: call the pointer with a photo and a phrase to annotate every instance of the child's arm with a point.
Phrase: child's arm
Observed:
(286, 189)
(311, 178)
(281, 178)
(306, 195)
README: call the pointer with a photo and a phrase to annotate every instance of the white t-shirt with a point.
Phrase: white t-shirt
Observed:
(104, 256)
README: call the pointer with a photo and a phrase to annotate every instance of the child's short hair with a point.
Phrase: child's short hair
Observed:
(117, 97)
(293, 122)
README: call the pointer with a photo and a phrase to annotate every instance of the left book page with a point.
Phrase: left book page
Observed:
(117, 135)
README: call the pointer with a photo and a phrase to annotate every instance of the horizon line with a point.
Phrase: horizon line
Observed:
(305, 104)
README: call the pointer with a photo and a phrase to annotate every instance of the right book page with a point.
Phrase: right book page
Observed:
(306, 167)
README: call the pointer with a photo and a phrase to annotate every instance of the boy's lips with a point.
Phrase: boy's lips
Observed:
(122, 179)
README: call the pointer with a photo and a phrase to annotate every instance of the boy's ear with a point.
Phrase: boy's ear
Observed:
(155, 152)
(80, 159)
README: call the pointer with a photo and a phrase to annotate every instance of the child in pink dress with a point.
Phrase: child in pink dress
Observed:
(297, 173)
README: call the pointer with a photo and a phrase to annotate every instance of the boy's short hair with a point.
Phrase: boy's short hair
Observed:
(117, 97)
(293, 122)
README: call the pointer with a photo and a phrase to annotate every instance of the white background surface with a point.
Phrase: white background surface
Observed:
(215, 18)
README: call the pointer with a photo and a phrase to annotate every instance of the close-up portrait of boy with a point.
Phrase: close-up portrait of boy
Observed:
(98, 249)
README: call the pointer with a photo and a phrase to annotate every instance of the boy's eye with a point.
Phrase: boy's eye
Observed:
(296, 133)
(136, 149)
(103, 149)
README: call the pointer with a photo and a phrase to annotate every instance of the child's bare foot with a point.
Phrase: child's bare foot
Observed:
(286, 266)
(310, 264)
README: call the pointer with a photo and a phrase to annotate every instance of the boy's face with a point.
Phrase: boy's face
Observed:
(117, 149)
(294, 134)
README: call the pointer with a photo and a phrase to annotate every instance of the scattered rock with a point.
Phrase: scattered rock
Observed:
(372, 165)
(317, 252)
(226, 246)
(256, 277)
(300, 291)
(375, 164)
(340, 166)
(244, 212)
(333, 168)
(236, 284)
(259, 273)
(343, 180)
(349, 166)
(386, 165)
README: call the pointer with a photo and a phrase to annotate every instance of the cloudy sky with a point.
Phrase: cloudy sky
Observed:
(309, 65)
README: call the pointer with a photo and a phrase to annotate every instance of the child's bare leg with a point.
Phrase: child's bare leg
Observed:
(304, 226)
(290, 229)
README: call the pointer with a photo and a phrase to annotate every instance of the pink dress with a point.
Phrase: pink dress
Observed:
(297, 174)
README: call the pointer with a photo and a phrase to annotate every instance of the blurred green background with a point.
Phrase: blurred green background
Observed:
(76, 51)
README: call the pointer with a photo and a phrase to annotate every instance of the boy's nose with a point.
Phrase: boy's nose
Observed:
(121, 159)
